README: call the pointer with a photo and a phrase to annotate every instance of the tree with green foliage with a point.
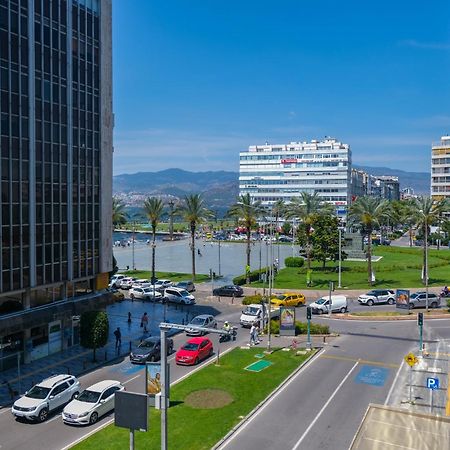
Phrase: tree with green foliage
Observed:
(403, 213)
(154, 209)
(286, 228)
(305, 208)
(247, 212)
(325, 239)
(94, 329)
(367, 213)
(119, 216)
(427, 212)
(194, 212)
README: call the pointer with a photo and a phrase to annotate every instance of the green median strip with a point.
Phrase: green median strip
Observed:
(208, 404)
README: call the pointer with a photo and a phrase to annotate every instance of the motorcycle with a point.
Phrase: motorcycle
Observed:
(444, 294)
(231, 335)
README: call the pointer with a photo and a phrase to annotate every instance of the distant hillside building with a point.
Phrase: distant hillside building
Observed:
(382, 186)
(440, 168)
(273, 172)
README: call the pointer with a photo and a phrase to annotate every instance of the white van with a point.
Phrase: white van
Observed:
(322, 306)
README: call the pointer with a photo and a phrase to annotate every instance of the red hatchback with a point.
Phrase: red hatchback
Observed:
(194, 351)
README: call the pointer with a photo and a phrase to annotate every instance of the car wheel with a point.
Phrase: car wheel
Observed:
(211, 352)
(369, 302)
(93, 419)
(74, 396)
(320, 311)
(343, 310)
(434, 305)
(196, 361)
(183, 302)
(43, 414)
(411, 306)
(169, 350)
(152, 358)
(391, 301)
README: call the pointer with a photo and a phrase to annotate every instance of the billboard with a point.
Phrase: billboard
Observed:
(153, 378)
(287, 321)
(402, 299)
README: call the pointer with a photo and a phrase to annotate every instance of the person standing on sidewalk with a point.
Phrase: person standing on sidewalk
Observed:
(252, 335)
(144, 322)
(118, 336)
(129, 318)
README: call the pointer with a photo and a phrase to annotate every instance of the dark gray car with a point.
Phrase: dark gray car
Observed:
(187, 285)
(149, 350)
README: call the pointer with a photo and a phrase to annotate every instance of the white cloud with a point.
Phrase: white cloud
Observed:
(425, 45)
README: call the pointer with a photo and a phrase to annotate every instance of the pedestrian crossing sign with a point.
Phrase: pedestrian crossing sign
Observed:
(411, 359)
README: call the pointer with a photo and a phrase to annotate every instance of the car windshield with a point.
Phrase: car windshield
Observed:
(416, 294)
(38, 392)
(190, 347)
(251, 311)
(280, 297)
(89, 396)
(184, 293)
(146, 344)
(321, 301)
(197, 321)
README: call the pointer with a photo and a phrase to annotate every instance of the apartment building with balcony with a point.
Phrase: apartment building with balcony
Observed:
(440, 168)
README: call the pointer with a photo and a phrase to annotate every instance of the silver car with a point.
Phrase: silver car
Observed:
(419, 300)
(203, 321)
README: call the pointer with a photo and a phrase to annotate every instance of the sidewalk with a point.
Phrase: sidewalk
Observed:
(77, 360)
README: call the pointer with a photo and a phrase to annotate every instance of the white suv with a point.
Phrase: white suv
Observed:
(116, 280)
(145, 293)
(178, 295)
(46, 396)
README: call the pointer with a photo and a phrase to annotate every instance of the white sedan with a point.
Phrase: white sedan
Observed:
(92, 403)
(145, 293)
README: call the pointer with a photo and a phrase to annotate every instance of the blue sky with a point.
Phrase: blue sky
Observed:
(197, 81)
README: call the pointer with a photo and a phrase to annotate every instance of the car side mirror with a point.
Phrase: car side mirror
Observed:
(76, 395)
(51, 397)
(102, 400)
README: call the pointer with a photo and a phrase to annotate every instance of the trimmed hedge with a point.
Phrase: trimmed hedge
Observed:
(294, 261)
(252, 299)
(301, 328)
(254, 276)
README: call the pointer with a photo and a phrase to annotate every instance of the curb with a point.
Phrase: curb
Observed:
(390, 318)
(263, 402)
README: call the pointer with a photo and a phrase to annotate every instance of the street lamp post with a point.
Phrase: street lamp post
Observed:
(219, 259)
(426, 264)
(171, 205)
(340, 258)
(132, 244)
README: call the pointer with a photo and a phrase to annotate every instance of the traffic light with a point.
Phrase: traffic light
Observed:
(420, 319)
(308, 312)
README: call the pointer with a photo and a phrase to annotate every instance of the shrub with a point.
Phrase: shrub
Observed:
(294, 261)
(252, 299)
(254, 276)
(301, 328)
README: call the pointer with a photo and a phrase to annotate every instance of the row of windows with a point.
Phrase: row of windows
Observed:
(440, 161)
(296, 165)
(440, 179)
(294, 181)
(280, 158)
(291, 190)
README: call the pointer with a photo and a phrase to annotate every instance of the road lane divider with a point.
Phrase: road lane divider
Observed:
(362, 361)
(302, 437)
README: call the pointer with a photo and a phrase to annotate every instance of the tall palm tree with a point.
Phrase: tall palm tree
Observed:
(368, 212)
(119, 216)
(194, 212)
(427, 211)
(153, 208)
(247, 212)
(305, 208)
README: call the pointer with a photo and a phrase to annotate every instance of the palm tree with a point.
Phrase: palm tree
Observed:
(194, 212)
(153, 208)
(427, 211)
(368, 212)
(306, 208)
(246, 211)
(403, 213)
(119, 216)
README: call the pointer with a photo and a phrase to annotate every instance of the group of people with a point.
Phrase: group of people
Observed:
(254, 334)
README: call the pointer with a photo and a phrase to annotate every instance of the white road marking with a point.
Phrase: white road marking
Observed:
(53, 418)
(302, 437)
(131, 379)
(5, 410)
(393, 383)
(224, 444)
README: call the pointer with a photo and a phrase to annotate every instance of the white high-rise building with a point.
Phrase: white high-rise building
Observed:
(273, 172)
(440, 168)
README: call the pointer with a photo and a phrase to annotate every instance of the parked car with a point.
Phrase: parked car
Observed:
(45, 397)
(204, 321)
(377, 296)
(229, 291)
(194, 351)
(141, 281)
(188, 285)
(145, 293)
(338, 304)
(178, 295)
(149, 350)
(116, 295)
(92, 403)
(288, 299)
(163, 284)
(116, 280)
(285, 239)
(127, 283)
(419, 300)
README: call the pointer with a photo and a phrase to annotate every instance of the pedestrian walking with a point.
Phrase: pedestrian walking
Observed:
(257, 341)
(129, 318)
(118, 336)
(253, 335)
(144, 322)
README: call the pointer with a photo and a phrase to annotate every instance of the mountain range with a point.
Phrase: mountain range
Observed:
(220, 188)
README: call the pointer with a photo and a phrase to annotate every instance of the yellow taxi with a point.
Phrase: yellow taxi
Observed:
(116, 295)
(288, 299)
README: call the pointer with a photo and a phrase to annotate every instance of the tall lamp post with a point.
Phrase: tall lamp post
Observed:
(425, 268)
(171, 205)
(340, 258)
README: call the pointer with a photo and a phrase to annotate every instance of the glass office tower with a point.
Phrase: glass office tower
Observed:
(56, 170)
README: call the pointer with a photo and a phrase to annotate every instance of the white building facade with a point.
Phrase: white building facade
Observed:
(440, 168)
(281, 172)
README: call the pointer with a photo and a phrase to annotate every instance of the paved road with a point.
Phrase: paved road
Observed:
(322, 407)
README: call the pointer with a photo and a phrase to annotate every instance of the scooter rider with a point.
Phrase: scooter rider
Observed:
(226, 326)
(445, 291)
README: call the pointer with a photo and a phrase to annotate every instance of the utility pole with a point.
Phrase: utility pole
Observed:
(340, 258)
(426, 262)
(164, 387)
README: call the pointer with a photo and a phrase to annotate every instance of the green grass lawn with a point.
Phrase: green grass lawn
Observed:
(174, 276)
(197, 428)
(398, 268)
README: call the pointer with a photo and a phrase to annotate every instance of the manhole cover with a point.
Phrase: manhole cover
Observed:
(258, 366)
(208, 399)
